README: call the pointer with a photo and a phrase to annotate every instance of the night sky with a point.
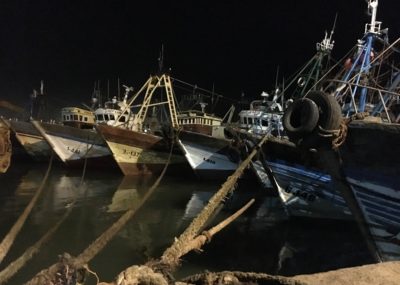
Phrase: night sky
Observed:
(235, 45)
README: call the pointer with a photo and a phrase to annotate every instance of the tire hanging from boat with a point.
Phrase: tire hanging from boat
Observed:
(330, 118)
(308, 117)
(300, 118)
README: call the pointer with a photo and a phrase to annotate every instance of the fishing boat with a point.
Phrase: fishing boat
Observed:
(26, 135)
(263, 117)
(143, 146)
(76, 140)
(361, 153)
(304, 186)
(202, 139)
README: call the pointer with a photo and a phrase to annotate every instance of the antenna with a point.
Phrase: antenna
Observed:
(127, 90)
(161, 60)
(108, 89)
(333, 28)
(327, 43)
(283, 92)
(41, 87)
(374, 27)
(119, 91)
(276, 77)
(212, 94)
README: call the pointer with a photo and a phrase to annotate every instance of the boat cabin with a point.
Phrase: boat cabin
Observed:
(77, 117)
(198, 121)
(114, 113)
(263, 117)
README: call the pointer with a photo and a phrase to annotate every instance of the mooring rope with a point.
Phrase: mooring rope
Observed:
(12, 234)
(50, 274)
(20, 262)
(238, 277)
(172, 254)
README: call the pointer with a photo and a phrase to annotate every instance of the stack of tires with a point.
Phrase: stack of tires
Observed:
(305, 117)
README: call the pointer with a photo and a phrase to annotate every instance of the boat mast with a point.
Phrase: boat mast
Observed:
(364, 54)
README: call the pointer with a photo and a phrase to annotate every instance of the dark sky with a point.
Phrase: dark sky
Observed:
(235, 45)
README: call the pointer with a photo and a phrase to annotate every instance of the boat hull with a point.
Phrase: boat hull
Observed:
(73, 146)
(303, 184)
(139, 153)
(31, 140)
(209, 157)
(371, 166)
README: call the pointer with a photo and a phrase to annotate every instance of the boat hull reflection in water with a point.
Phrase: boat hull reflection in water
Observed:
(262, 239)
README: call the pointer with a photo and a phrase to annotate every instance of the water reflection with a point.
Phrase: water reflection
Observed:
(262, 239)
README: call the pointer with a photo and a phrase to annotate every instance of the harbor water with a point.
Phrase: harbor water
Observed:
(263, 239)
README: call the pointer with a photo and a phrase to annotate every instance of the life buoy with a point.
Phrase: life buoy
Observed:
(300, 118)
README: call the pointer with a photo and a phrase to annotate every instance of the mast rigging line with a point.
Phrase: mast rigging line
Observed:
(204, 90)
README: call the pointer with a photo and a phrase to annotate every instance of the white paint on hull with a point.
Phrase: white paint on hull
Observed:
(72, 150)
(35, 146)
(201, 158)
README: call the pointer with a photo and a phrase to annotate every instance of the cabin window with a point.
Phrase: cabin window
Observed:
(250, 121)
(64, 117)
(106, 117)
(112, 117)
(85, 119)
(80, 118)
(75, 117)
(100, 117)
(122, 119)
(264, 123)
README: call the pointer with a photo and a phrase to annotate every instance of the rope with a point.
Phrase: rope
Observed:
(12, 234)
(48, 275)
(340, 135)
(172, 254)
(237, 277)
(20, 262)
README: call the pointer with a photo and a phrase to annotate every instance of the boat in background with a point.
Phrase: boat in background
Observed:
(31, 141)
(76, 140)
(203, 141)
(361, 153)
(143, 146)
(263, 117)
(304, 186)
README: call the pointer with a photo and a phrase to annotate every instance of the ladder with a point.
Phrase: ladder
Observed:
(171, 101)
(153, 84)
(141, 115)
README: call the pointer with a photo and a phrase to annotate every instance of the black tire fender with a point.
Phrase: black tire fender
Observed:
(330, 118)
(300, 118)
(330, 113)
